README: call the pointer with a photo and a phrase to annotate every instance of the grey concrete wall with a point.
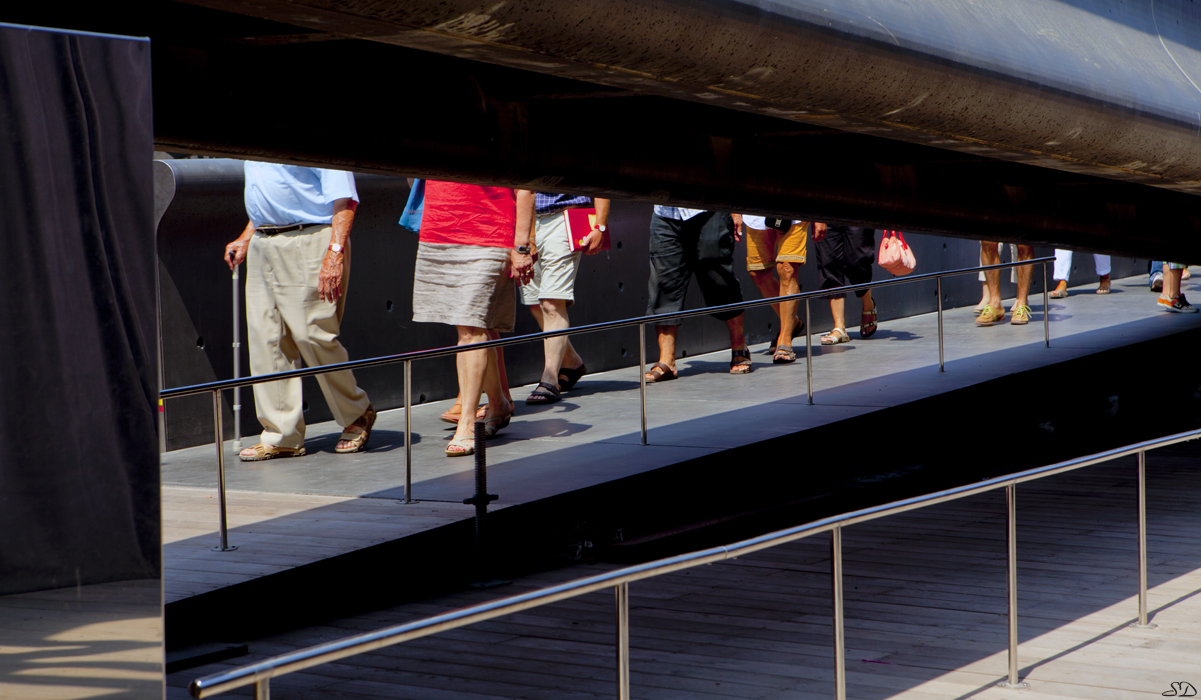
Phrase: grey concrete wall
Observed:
(202, 211)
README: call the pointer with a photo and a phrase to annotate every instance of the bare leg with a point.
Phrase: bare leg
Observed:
(868, 302)
(789, 284)
(477, 370)
(571, 358)
(554, 315)
(1025, 274)
(667, 345)
(838, 308)
(768, 287)
(1171, 283)
(989, 255)
(737, 336)
(500, 367)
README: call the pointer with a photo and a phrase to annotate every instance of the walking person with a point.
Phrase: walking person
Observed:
(1063, 270)
(552, 289)
(994, 312)
(472, 245)
(778, 246)
(844, 257)
(297, 251)
(1172, 298)
(683, 243)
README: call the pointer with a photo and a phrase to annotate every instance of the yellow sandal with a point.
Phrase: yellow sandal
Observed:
(358, 440)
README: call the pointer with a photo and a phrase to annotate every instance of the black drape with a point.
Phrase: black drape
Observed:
(79, 483)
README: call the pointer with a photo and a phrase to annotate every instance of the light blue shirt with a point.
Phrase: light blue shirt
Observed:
(676, 212)
(281, 195)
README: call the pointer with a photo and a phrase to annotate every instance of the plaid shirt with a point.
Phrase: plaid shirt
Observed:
(545, 203)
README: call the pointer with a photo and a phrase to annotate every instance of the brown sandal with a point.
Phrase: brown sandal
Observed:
(260, 452)
(740, 362)
(660, 372)
(358, 440)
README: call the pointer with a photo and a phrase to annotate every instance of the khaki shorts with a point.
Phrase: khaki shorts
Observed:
(556, 266)
(765, 248)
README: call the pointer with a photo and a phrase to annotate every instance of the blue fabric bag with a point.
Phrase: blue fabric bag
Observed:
(411, 218)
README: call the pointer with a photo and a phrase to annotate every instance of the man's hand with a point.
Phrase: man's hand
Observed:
(593, 242)
(819, 231)
(235, 252)
(737, 227)
(329, 280)
(521, 266)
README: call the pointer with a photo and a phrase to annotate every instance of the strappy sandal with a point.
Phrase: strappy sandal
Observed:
(740, 362)
(466, 447)
(451, 415)
(358, 440)
(572, 375)
(1103, 287)
(260, 452)
(783, 355)
(867, 323)
(835, 337)
(660, 372)
(495, 424)
(798, 329)
(545, 393)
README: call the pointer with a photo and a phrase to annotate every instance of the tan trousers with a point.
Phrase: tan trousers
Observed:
(286, 323)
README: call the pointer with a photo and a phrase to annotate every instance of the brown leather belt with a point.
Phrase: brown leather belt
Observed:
(272, 230)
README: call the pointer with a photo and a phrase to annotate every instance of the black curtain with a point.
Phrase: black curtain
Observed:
(79, 464)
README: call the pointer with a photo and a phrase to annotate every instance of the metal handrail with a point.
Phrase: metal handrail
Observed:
(215, 388)
(260, 673)
(207, 387)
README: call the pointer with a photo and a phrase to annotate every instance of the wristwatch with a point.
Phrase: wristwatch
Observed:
(335, 247)
(602, 229)
(523, 249)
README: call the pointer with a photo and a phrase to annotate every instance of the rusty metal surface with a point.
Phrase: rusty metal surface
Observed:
(1109, 89)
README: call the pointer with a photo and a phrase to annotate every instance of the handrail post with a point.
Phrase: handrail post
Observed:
(222, 529)
(1046, 310)
(1011, 537)
(622, 594)
(237, 345)
(642, 375)
(262, 689)
(840, 661)
(808, 351)
(940, 359)
(408, 431)
(1142, 542)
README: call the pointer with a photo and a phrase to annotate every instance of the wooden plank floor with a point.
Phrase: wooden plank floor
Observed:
(101, 640)
(924, 601)
(277, 531)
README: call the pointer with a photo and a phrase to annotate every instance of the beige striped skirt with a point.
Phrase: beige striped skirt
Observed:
(463, 285)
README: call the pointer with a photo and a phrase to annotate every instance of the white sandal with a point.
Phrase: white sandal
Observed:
(835, 337)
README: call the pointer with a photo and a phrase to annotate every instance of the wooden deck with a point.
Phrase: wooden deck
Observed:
(925, 613)
(277, 531)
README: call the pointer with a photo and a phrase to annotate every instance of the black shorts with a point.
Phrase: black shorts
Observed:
(702, 246)
(845, 256)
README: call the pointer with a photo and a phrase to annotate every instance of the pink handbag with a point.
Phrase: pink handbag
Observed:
(895, 254)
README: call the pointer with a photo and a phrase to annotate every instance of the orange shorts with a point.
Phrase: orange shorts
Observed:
(765, 248)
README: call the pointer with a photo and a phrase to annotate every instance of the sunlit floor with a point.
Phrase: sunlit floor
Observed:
(102, 640)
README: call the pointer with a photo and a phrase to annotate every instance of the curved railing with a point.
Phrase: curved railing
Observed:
(215, 388)
(259, 674)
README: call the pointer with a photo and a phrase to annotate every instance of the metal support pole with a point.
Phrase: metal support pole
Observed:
(1142, 542)
(642, 374)
(940, 358)
(481, 499)
(262, 689)
(1011, 539)
(408, 431)
(217, 428)
(840, 660)
(1046, 310)
(237, 405)
(622, 593)
(808, 351)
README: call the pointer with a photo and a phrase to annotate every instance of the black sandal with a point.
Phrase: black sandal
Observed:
(740, 359)
(573, 376)
(544, 393)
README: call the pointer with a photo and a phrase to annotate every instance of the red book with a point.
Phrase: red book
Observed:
(580, 223)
